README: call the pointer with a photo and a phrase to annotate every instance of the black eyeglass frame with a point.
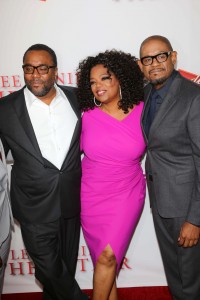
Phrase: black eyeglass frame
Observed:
(168, 53)
(43, 65)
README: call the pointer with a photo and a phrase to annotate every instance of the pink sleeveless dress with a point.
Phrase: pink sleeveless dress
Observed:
(113, 184)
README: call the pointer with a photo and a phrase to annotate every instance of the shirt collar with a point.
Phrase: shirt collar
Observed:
(164, 89)
(31, 98)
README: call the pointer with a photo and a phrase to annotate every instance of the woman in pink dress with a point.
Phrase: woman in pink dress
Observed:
(110, 90)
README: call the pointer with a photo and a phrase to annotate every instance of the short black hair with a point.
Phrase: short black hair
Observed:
(39, 47)
(125, 68)
(157, 38)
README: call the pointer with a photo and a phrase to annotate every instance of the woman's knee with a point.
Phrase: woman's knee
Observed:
(107, 257)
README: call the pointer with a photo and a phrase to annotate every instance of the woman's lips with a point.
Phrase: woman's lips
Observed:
(100, 93)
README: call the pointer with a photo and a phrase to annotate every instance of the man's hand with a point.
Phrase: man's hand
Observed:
(189, 235)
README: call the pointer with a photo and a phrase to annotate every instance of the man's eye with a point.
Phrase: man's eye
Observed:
(28, 68)
(161, 56)
(148, 59)
(42, 68)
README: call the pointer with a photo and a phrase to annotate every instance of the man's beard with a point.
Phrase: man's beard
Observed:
(42, 91)
(158, 81)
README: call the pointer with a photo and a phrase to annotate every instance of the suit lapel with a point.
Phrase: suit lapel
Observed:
(2, 161)
(167, 105)
(169, 101)
(147, 93)
(76, 135)
(72, 100)
(27, 135)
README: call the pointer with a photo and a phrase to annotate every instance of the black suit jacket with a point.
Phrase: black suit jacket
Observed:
(40, 192)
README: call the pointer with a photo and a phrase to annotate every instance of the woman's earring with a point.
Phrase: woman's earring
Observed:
(120, 93)
(97, 104)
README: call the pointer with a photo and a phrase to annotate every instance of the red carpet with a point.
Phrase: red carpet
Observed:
(138, 293)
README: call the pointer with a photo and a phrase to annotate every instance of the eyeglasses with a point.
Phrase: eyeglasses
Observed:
(161, 57)
(41, 69)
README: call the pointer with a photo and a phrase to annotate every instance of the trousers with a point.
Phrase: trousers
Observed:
(182, 265)
(4, 251)
(53, 247)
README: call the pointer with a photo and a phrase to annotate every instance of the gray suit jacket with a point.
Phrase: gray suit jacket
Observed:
(173, 152)
(6, 218)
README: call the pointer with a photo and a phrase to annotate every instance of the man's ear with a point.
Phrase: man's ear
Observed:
(174, 57)
(56, 73)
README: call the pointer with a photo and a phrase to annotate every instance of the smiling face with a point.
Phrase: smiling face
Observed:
(158, 72)
(42, 86)
(105, 86)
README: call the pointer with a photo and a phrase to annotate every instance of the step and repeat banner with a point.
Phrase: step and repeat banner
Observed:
(76, 29)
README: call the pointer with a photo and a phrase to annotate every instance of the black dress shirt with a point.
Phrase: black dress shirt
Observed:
(156, 99)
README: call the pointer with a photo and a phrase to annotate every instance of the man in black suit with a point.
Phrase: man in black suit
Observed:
(171, 125)
(41, 126)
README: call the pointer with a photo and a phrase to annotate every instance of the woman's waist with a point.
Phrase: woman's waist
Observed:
(115, 171)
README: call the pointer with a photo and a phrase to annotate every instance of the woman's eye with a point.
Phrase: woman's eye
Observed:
(106, 78)
(91, 82)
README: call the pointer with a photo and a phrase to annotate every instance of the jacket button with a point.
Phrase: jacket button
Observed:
(61, 172)
(45, 166)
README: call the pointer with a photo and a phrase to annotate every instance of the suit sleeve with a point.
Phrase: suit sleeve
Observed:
(194, 133)
(5, 145)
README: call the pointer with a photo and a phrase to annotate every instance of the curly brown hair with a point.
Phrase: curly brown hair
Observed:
(125, 68)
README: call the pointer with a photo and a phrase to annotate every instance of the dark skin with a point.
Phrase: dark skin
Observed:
(42, 86)
(189, 234)
(105, 88)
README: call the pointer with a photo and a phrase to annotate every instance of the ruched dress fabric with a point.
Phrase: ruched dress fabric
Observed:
(113, 184)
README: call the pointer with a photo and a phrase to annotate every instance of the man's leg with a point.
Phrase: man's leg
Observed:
(42, 242)
(4, 251)
(69, 241)
(182, 265)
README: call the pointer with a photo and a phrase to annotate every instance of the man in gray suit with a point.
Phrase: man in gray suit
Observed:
(6, 219)
(171, 125)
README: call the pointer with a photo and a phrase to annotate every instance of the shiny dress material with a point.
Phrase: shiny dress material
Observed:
(113, 184)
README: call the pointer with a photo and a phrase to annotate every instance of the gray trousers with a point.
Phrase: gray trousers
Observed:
(4, 251)
(182, 265)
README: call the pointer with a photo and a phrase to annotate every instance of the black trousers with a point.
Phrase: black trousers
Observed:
(182, 265)
(53, 247)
